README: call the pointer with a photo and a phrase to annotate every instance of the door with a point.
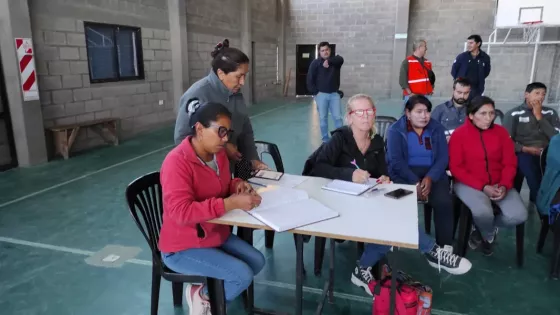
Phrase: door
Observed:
(7, 148)
(305, 54)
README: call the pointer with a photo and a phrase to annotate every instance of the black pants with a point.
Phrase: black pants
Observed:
(441, 202)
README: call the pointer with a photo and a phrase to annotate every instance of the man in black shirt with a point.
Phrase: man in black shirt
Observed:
(323, 81)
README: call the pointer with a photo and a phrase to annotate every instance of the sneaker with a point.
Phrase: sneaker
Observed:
(443, 259)
(487, 248)
(361, 277)
(475, 239)
(197, 304)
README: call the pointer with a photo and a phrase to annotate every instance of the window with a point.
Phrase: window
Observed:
(114, 52)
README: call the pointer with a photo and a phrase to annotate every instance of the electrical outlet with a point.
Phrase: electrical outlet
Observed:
(160, 102)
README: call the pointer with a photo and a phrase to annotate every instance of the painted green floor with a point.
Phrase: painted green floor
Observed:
(46, 234)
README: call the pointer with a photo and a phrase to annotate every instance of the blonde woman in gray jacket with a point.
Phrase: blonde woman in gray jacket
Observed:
(223, 85)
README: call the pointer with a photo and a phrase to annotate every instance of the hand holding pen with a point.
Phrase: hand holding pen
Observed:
(359, 176)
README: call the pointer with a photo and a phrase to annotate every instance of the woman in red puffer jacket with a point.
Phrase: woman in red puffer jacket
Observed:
(483, 163)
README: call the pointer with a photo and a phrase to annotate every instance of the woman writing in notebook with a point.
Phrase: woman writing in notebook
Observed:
(197, 187)
(356, 153)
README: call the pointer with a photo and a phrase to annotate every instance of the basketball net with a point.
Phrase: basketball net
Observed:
(531, 30)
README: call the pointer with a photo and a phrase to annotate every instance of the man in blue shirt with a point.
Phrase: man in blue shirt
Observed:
(473, 64)
(323, 81)
(452, 113)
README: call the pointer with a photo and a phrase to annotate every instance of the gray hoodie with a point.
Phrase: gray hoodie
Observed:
(211, 89)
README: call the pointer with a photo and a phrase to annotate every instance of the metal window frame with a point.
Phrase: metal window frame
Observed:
(138, 57)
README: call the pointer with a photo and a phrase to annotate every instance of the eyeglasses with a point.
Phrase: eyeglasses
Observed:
(223, 131)
(361, 112)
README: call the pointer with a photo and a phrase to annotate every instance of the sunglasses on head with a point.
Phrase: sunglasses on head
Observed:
(362, 112)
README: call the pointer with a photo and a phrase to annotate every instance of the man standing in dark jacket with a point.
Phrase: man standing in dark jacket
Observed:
(323, 81)
(473, 64)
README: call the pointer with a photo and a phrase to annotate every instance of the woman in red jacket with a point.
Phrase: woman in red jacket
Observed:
(483, 163)
(197, 187)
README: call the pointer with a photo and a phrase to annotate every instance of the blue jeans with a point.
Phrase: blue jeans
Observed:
(328, 102)
(236, 262)
(374, 252)
(530, 167)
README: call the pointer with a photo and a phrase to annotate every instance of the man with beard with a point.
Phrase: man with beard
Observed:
(452, 113)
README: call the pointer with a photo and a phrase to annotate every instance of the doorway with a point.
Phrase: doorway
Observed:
(8, 157)
(305, 54)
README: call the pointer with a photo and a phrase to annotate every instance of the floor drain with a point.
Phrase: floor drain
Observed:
(112, 256)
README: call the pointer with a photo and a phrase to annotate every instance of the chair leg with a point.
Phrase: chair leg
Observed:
(319, 254)
(268, 238)
(156, 282)
(427, 218)
(177, 288)
(520, 243)
(555, 261)
(217, 296)
(464, 231)
(456, 213)
(542, 235)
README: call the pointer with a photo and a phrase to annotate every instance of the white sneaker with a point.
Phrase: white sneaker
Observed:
(197, 305)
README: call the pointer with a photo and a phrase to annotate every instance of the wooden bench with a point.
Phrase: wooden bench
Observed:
(64, 136)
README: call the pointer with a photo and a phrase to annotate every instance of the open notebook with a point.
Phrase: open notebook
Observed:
(350, 188)
(284, 209)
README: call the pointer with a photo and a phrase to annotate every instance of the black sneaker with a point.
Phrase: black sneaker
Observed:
(361, 277)
(475, 239)
(440, 258)
(487, 248)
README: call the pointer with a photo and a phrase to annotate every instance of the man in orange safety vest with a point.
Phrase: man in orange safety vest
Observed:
(416, 75)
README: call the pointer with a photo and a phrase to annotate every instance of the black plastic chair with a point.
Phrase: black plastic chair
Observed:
(274, 152)
(545, 227)
(500, 114)
(144, 198)
(382, 124)
(465, 223)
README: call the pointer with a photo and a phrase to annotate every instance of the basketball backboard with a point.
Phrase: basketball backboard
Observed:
(513, 13)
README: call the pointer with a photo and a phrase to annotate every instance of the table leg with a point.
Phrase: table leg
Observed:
(331, 271)
(299, 274)
(217, 296)
(394, 275)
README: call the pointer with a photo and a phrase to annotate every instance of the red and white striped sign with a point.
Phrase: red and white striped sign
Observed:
(24, 48)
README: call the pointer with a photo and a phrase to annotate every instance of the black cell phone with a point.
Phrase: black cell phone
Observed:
(398, 193)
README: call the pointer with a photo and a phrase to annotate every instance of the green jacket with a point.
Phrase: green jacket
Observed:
(526, 130)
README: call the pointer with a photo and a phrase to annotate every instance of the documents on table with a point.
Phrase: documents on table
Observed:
(284, 209)
(287, 180)
(350, 188)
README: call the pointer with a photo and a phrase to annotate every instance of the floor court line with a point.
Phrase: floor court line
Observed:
(276, 284)
(84, 176)
(115, 165)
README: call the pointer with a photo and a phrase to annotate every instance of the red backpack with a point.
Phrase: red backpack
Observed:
(412, 298)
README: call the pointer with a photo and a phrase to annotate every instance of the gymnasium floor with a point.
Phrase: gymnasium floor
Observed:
(54, 218)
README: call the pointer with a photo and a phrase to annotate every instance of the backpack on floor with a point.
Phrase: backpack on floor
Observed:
(412, 297)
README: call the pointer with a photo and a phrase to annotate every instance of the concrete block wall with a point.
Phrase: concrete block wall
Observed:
(362, 31)
(446, 26)
(210, 22)
(265, 31)
(67, 96)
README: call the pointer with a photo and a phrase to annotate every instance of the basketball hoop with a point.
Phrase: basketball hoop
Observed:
(531, 30)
